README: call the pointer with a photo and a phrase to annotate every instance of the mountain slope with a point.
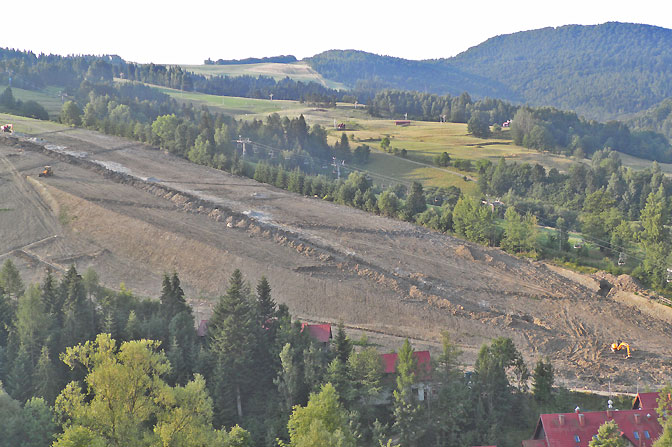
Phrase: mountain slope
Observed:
(365, 70)
(602, 71)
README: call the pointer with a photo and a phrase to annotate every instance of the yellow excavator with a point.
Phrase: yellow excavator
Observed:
(46, 172)
(620, 345)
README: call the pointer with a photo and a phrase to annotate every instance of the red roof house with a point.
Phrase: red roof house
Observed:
(422, 357)
(645, 401)
(320, 332)
(639, 427)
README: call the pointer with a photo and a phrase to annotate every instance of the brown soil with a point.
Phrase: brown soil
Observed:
(133, 213)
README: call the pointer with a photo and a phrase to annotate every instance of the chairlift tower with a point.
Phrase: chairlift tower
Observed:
(243, 142)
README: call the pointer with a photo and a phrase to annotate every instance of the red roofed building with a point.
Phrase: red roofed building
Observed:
(639, 427)
(645, 401)
(320, 332)
(422, 357)
(422, 373)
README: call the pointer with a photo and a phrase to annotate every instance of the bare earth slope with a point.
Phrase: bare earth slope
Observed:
(133, 212)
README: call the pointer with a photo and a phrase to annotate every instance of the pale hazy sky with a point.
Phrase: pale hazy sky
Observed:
(190, 31)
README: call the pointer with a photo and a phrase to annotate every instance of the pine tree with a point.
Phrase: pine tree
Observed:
(407, 412)
(132, 330)
(232, 331)
(52, 304)
(10, 280)
(172, 297)
(6, 317)
(79, 318)
(342, 344)
(20, 376)
(45, 380)
(416, 203)
(542, 380)
(266, 304)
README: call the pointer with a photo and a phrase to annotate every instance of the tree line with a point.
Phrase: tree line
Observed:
(85, 365)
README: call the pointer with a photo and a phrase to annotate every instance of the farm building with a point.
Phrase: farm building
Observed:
(639, 426)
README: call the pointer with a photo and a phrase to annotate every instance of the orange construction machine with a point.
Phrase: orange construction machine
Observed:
(621, 345)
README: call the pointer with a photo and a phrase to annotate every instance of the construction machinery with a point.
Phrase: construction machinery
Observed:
(620, 345)
(46, 172)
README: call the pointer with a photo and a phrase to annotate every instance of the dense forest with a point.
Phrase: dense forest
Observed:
(600, 71)
(371, 72)
(83, 365)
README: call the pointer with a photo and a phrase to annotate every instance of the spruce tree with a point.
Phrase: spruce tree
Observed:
(45, 380)
(407, 420)
(342, 344)
(232, 331)
(10, 280)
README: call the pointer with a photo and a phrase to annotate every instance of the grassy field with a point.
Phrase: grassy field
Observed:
(239, 107)
(30, 125)
(298, 71)
(49, 98)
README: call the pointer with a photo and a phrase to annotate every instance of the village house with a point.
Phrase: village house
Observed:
(320, 332)
(639, 426)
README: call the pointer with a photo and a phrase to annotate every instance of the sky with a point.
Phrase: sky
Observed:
(188, 32)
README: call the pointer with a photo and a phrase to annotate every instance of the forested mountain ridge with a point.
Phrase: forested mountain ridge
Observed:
(600, 71)
(368, 71)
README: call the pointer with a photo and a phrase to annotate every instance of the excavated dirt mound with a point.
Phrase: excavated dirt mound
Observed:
(133, 213)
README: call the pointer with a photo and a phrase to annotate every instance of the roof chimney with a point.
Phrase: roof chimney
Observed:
(610, 413)
(582, 420)
(561, 419)
(637, 418)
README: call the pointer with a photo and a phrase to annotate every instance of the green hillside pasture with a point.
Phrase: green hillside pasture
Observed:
(387, 169)
(233, 105)
(424, 140)
(49, 98)
(29, 125)
(298, 71)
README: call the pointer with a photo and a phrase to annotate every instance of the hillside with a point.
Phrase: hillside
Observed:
(602, 71)
(657, 118)
(327, 262)
(371, 71)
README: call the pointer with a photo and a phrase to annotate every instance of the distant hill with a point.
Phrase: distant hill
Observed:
(600, 71)
(367, 71)
(658, 118)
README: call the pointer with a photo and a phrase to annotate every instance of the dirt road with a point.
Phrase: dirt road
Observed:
(134, 212)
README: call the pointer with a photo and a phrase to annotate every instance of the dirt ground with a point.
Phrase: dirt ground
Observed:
(133, 212)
